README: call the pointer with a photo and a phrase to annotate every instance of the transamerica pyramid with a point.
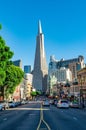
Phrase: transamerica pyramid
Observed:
(40, 66)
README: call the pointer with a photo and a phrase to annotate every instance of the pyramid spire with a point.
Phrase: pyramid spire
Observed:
(40, 66)
(39, 27)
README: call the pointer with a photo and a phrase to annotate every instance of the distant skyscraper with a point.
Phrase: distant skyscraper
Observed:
(40, 67)
(27, 68)
(18, 63)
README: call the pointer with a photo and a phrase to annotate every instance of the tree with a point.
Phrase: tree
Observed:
(5, 56)
(14, 76)
(0, 26)
(33, 93)
(2, 76)
(10, 75)
(38, 92)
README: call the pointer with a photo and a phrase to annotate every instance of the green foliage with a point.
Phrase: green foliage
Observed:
(10, 75)
(14, 76)
(2, 76)
(33, 93)
(5, 53)
(38, 93)
(5, 56)
(0, 26)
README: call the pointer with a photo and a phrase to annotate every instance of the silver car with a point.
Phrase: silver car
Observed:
(62, 103)
(4, 104)
(12, 104)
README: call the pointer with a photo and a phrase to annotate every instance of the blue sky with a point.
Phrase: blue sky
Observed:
(63, 24)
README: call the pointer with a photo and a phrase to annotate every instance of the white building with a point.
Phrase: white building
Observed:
(63, 74)
(57, 76)
(74, 65)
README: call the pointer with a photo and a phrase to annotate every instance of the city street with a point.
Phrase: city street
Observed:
(43, 65)
(65, 119)
(25, 117)
(34, 117)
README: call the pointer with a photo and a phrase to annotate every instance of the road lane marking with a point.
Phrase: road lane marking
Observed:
(46, 125)
(42, 120)
(28, 109)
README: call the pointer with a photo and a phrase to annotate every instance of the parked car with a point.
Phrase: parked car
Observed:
(63, 104)
(74, 104)
(24, 102)
(12, 104)
(4, 104)
(46, 103)
(18, 103)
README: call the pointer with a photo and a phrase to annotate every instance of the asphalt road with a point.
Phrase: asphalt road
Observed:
(65, 119)
(33, 117)
(25, 117)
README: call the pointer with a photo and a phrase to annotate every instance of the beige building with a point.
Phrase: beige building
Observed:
(82, 84)
(81, 75)
(28, 85)
(74, 67)
(17, 94)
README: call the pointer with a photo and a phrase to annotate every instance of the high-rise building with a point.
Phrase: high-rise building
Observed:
(18, 63)
(27, 68)
(40, 66)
